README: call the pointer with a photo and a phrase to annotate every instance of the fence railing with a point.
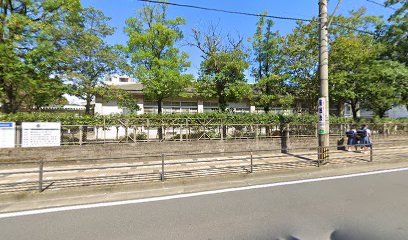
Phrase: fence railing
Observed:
(105, 134)
(43, 174)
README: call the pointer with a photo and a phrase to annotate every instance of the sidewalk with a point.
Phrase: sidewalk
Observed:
(292, 168)
(57, 175)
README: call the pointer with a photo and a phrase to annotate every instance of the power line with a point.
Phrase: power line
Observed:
(380, 4)
(228, 11)
(250, 14)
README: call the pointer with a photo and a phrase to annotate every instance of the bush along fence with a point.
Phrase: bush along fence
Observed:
(82, 129)
(215, 117)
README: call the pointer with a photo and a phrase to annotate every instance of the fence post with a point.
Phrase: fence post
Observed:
(181, 132)
(222, 132)
(18, 136)
(80, 134)
(287, 137)
(256, 132)
(127, 134)
(252, 164)
(162, 172)
(104, 130)
(371, 152)
(148, 129)
(187, 130)
(40, 175)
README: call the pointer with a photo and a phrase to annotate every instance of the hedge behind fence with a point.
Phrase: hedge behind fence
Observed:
(199, 118)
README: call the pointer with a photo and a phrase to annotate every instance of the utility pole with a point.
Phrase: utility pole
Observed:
(324, 124)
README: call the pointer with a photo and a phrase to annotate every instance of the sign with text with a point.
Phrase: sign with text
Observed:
(41, 134)
(321, 115)
(7, 134)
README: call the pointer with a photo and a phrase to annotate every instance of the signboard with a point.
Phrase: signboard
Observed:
(321, 115)
(7, 134)
(41, 134)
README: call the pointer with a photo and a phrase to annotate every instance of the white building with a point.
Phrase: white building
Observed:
(397, 111)
(195, 104)
(116, 79)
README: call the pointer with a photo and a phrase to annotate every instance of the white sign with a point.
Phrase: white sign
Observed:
(41, 134)
(7, 134)
(321, 114)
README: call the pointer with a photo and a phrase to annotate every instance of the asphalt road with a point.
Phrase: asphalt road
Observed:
(358, 208)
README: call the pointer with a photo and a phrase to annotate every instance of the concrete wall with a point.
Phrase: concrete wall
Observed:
(148, 148)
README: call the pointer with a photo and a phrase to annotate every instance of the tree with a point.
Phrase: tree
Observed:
(221, 73)
(123, 98)
(268, 67)
(357, 77)
(350, 57)
(30, 40)
(396, 34)
(88, 58)
(301, 64)
(158, 63)
(383, 80)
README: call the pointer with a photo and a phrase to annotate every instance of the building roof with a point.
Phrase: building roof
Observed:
(131, 87)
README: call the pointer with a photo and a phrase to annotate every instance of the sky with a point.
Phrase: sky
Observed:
(120, 10)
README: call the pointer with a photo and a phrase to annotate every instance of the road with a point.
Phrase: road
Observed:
(360, 207)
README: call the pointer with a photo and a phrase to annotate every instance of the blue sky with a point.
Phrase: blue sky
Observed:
(120, 10)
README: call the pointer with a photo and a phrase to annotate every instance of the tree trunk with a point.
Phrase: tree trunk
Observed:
(88, 105)
(87, 112)
(268, 92)
(159, 111)
(354, 109)
(11, 106)
(340, 109)
(222, 104)
(381, 113)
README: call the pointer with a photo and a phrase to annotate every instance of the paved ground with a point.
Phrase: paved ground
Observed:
(357, 208)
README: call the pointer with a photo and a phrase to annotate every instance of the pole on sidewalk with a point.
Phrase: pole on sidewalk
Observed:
(162, 172)
(252, 164)
(40, 175)
(324, 123)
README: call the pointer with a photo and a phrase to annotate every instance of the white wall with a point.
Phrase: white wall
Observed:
(398, 112)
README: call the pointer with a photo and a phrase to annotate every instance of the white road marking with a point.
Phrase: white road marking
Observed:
(187, 195)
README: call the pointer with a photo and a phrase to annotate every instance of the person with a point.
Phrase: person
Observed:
(351, 139)
(365, 137)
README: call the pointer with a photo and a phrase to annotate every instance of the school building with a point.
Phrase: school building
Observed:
(195, 104)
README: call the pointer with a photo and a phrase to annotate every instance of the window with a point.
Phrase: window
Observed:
(123, 79)
(210, 106)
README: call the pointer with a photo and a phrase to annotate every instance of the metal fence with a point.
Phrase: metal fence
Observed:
(145, 131)
(56, 174)
(95, 134)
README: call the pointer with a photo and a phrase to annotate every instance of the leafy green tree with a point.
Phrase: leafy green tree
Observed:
(356, 75)
(349, 58)
(30, 40)
(221, 73)
(383, 85)
(301, 51)
(396, 35)
(123, 98)
(158, 63)
(268, 67)
(88, 58)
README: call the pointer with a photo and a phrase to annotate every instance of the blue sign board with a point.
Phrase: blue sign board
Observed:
(6, 124)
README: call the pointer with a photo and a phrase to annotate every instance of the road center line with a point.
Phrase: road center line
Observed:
(186, 195)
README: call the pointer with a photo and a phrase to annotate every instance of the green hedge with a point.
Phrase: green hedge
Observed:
(214, 118)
